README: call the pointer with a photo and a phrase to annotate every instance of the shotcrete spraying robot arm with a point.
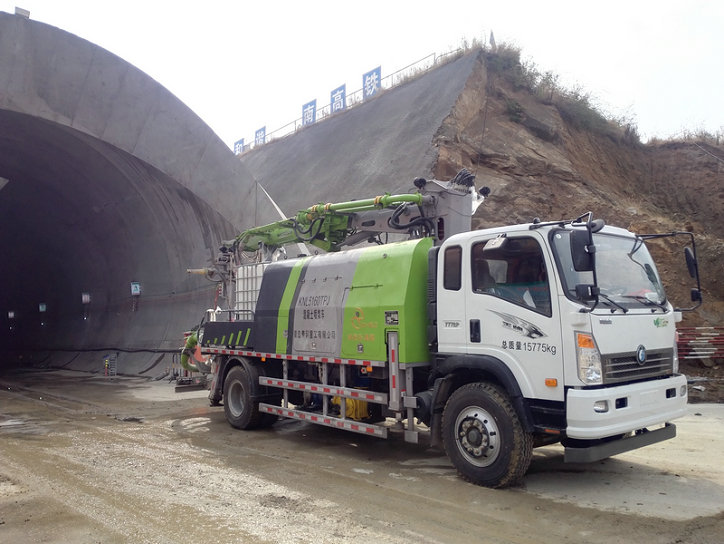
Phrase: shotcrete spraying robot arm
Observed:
(438, 209)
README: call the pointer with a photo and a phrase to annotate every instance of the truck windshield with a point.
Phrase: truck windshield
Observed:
(625, 272)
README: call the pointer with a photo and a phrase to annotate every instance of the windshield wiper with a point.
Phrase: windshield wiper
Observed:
(646, 301)
(612, 303)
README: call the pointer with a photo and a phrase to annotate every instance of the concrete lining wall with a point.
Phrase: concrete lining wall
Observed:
(111, 180)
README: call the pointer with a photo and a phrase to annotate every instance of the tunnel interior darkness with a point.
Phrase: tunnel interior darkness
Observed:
(82, 219)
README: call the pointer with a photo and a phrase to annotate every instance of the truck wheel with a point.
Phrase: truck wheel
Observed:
(241, 411)
(483, 436)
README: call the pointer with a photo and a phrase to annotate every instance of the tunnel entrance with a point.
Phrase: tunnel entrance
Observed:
(96, 245)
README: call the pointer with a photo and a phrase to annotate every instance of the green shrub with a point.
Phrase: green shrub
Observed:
(514, 110)
(576, 108)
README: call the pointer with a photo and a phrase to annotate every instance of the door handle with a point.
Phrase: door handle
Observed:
(475, 330)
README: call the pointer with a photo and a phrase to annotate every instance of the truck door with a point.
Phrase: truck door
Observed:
(511, 311)
(451, 324)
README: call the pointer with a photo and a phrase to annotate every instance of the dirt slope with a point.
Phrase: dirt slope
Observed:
(539, 163)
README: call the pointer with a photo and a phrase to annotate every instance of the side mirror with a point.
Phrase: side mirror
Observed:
(586, 292)
(581, 252)
(691, 263)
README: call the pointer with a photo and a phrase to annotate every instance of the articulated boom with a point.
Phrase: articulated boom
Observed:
(439, 209)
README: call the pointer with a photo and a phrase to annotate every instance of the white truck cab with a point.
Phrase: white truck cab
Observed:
(581, 321)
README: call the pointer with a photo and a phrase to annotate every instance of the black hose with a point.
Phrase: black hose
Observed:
(464, 177)
(301, 232)
(394, 220)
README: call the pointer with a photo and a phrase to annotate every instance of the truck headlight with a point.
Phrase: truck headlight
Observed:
(676, 353)
(200, 336)
(589, 359)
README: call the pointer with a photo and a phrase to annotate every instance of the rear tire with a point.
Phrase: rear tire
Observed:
(483, 436)
(241, 411)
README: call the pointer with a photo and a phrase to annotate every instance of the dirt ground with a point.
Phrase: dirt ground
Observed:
(88, 459)
(706, 379)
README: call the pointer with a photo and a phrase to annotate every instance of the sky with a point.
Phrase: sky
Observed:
(241, 65)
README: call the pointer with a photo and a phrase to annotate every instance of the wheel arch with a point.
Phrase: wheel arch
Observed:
(254, 368)
(454, 371)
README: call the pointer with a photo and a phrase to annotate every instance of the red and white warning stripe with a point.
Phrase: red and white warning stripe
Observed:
(319, 419)
(283, 356)
(346, 392)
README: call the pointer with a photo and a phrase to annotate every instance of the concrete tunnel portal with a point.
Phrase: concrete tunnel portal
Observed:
(92, 200)
(112, 180)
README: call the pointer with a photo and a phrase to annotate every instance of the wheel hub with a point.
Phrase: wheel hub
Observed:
(236, 399)
(474, 437)
(477, 436)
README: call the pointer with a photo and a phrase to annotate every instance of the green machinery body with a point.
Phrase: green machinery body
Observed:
(338, 305)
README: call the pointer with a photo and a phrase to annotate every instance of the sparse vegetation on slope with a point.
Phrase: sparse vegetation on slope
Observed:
(547, 151)
(575, 105)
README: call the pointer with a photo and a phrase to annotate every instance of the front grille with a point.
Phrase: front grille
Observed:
(625, 368)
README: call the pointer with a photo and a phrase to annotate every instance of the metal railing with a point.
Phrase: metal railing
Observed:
(357, 97)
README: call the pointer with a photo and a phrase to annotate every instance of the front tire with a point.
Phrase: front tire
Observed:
(483, 436)
(240, 409)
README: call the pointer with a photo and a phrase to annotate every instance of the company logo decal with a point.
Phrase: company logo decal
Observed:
(359, 322)
(660, 322)
(641, 355)
(521, 326)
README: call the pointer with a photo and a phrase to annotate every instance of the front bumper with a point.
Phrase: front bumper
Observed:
(629, 407)
(607, 448)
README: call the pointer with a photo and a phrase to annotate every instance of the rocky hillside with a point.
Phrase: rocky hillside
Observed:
(542, 158)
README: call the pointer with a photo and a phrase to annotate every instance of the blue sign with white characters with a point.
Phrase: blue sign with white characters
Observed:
(309, 112)
(371, 82)
(338, 98)
(239, 146)
(260, 136)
